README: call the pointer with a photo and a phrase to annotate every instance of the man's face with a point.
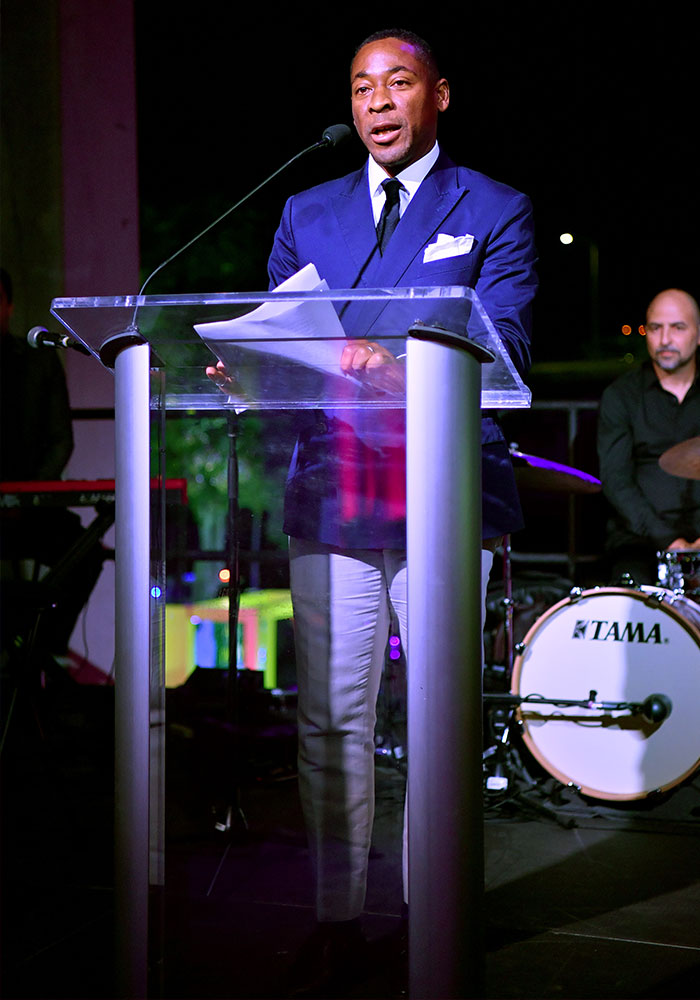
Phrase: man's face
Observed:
(395, 103)
(672, 330)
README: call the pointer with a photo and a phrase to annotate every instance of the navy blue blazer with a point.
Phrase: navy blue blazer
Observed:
(332, 226)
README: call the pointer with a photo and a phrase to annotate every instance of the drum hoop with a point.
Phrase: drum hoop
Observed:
(596, 793)
(532, 746)
(634, 592)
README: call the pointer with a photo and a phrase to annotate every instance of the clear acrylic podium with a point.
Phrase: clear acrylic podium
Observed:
(450, 363)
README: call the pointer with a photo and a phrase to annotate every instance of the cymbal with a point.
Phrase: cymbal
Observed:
(543, 474)
(682, 459)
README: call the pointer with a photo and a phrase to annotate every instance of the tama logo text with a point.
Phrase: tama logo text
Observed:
(603, 630)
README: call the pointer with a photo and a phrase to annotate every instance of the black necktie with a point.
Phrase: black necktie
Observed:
(389, 219)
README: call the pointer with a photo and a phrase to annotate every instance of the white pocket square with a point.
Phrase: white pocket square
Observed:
(448, 246)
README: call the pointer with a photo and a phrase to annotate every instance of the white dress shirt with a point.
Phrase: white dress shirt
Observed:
(411, 179)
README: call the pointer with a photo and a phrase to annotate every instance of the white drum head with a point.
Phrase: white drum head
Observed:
(626, 645)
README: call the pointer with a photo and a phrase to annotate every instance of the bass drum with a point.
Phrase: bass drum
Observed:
(624, 644)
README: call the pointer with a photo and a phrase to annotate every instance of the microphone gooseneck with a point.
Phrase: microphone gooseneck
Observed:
(331, 137)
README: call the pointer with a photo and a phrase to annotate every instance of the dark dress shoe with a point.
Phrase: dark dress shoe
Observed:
(330, 961)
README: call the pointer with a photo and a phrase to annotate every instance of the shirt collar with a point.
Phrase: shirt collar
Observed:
(649, 375)
(411, 179)
(651, 379)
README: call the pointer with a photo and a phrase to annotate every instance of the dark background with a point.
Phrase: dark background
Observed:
(588, 108)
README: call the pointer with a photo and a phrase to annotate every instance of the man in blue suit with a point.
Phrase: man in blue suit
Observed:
(397, 97)
(345, 499)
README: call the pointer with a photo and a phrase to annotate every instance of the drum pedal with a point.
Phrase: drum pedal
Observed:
(498, 781)
(496, 778)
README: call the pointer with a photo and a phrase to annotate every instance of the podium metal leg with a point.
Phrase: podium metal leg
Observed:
(445, 827)
(132, 581)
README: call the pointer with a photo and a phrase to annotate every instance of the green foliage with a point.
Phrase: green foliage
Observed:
(231, 257)
(197, 448)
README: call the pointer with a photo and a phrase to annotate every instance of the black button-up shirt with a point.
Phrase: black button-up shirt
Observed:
(638, 421)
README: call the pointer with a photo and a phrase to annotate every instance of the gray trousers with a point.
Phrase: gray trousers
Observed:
(342, 610)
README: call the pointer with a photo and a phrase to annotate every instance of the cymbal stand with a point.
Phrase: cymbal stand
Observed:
(501, 763)
(508, 607)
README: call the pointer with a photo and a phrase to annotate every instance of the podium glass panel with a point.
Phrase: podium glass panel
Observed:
(286, 372)
(369, 460)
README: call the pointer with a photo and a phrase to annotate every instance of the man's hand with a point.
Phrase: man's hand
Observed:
(360, 354)
(679, 544)
(381, 369)
(220, 377)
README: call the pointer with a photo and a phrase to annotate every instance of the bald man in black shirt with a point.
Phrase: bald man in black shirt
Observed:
(642, 414)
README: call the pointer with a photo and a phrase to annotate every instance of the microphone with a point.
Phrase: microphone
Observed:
(130, 335)
(39, 336)
(330, 138)
(656, 707)
(335, 134)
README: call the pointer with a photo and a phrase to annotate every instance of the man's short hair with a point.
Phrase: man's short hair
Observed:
(424, 50)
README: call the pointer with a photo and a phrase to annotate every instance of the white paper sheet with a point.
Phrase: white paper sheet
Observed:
(294, 330)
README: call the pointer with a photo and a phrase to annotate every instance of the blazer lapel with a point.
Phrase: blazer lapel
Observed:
(353, 211)
(433, 202)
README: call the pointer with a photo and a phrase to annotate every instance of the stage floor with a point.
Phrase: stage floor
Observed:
(583, 899)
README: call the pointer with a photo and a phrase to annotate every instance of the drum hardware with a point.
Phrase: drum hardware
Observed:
(651, 596)
(504, 778)
(655, 708)
(507, 603)
(617, 639)
(620, 640)
(678, 570)
(506, 783)
(532, 472)
(507, 606)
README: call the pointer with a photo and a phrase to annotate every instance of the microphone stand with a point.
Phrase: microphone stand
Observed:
(233, 807)
(654, 709)
(331, 137)
(232, 559)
